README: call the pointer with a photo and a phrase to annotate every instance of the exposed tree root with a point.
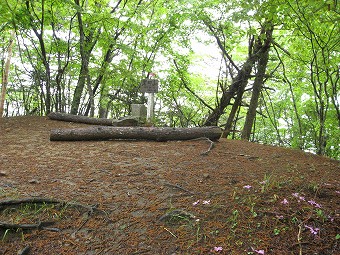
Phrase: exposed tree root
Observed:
(40, 225)
(39, 200)
(34, 200)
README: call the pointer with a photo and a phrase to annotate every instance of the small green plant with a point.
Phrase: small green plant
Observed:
(321, 215)
(234, 196)
(215, 232)
(177, 216)
(233, 219)
(59, 214)
(276, 231)
(252, 210)
(5, 235)
(265, 183)
(314, 187)
(198, 230)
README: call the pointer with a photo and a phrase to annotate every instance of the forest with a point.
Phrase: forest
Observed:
(265, 71)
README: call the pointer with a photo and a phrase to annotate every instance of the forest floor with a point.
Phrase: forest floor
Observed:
(144, 197)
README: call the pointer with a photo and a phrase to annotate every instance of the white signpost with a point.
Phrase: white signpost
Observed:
(150, 86)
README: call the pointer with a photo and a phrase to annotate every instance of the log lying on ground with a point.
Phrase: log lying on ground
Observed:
(125, 122)
(135, 133)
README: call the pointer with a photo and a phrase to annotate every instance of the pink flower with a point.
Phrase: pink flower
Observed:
(206, 202)
(314, 231)
(195, 203)
(259, 251)
(295, 194)
(300, 198)
(247, 187)
(284, 202)
(218, 248)
(312, 202)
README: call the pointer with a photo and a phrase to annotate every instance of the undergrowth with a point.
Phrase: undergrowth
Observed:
(261, 218)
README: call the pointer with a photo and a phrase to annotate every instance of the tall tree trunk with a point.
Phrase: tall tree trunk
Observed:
(78, 92)
(86, 45)
(5, 74)
(257, 87)
(91, 96)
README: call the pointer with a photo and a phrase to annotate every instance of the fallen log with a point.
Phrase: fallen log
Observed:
(135, 133)
(124, 122)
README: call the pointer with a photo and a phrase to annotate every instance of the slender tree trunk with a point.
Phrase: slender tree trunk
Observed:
(243, 75)
(86, 45)
(257, 88)
(334, 81)
(297, 115)
(79, 88)
(39, 29)
(60, 105)
(91, 96)
(5, 74)
(239, 82)
(232, 114)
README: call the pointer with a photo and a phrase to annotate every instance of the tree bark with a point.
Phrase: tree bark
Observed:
(135, 133)
(5, 74)
(231, 117)
(258, 83)
(87, 41)
(94, 121)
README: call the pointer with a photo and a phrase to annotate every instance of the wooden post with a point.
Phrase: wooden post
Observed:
(150, 109)
(150, 86)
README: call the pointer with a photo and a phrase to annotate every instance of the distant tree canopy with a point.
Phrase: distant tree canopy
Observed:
(272, 77)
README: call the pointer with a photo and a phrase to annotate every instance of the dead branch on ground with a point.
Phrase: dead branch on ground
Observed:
(212, 144)
(40, 225)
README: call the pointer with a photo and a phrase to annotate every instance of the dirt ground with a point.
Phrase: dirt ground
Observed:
(145, 197)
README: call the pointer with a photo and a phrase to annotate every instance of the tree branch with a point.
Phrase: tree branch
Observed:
(190, 90)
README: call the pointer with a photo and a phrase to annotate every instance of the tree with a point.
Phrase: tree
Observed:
(267, 30)
(257, 52)
(5, 73)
